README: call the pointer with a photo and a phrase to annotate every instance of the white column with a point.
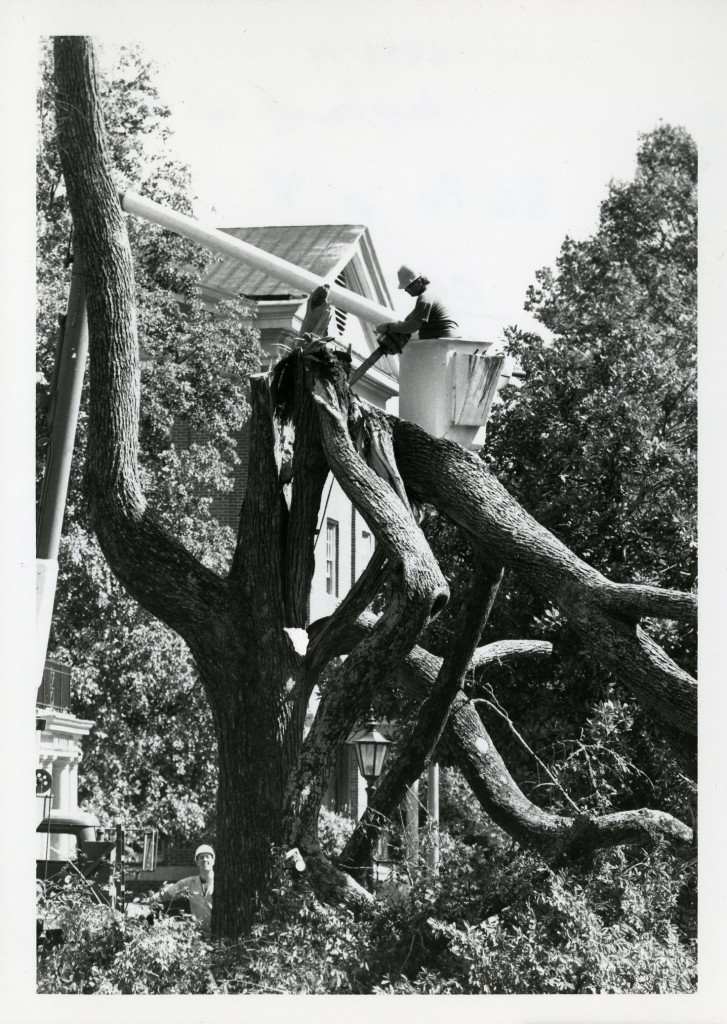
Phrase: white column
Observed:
(73, 786)
(412, 826)
(60, 844)
(433, 853)
(58, 767)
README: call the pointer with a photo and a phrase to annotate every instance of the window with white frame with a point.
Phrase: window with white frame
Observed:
(367, 544)
(332, 557)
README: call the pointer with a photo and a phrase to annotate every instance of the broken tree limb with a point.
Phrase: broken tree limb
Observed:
(419, 591)
(459, 484)
(422, 734)
(318, 312)
(496, 790)
(552, 834)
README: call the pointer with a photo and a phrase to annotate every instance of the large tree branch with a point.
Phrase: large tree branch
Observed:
(643, 601)
(500, 652)
(155, 568)
(419, 590)
(392, 523)
(552, 834)
(460, 486)
(491, 782)
(424, 731)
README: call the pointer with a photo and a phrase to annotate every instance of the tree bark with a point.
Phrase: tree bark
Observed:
(236, 627)
(425, 729)
(459, 485)
(310, 470)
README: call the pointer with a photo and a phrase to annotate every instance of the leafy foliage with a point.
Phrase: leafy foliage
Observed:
(151, 756)
(600, 441)
(504, 924)
(102, 952)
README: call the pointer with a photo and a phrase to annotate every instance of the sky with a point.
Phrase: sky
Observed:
(469, 137)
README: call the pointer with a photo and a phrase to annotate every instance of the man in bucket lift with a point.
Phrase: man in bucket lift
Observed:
(429, 316)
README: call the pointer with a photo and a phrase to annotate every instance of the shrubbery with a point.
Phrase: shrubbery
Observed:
(490, 922)
(103, 952)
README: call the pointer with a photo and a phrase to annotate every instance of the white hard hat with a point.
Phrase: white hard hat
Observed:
(203, 849)
(406, 276)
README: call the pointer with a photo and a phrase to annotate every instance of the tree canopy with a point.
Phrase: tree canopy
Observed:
(599, 443)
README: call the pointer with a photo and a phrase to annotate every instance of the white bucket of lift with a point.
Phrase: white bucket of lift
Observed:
(447, 385)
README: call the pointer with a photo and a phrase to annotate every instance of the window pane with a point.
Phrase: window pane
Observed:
(332, 557)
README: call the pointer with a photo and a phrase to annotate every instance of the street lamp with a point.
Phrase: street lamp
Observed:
(371, 749)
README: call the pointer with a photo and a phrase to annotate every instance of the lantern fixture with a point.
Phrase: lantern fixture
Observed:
(371, 749)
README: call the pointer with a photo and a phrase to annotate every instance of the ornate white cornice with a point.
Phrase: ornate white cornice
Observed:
(64, 724)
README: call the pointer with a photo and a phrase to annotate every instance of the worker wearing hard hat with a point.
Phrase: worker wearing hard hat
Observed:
(429, 317)
(197, 889)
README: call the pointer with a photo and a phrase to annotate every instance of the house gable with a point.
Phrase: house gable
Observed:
(339, 253)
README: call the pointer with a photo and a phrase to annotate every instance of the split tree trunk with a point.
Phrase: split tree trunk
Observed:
(243, 629)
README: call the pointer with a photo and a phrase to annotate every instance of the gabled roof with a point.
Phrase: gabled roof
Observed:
(321, 249)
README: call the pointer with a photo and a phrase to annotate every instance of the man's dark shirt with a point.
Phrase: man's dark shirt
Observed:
(429, 317)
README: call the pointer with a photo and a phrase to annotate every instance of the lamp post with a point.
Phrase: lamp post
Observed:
(370, 747)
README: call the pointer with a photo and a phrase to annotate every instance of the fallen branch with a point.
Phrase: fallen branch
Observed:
(423, 733)
(497, 792)
(419, 591)
(459, 484)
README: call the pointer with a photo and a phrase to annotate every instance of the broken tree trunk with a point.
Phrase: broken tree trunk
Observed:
(244, 629)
